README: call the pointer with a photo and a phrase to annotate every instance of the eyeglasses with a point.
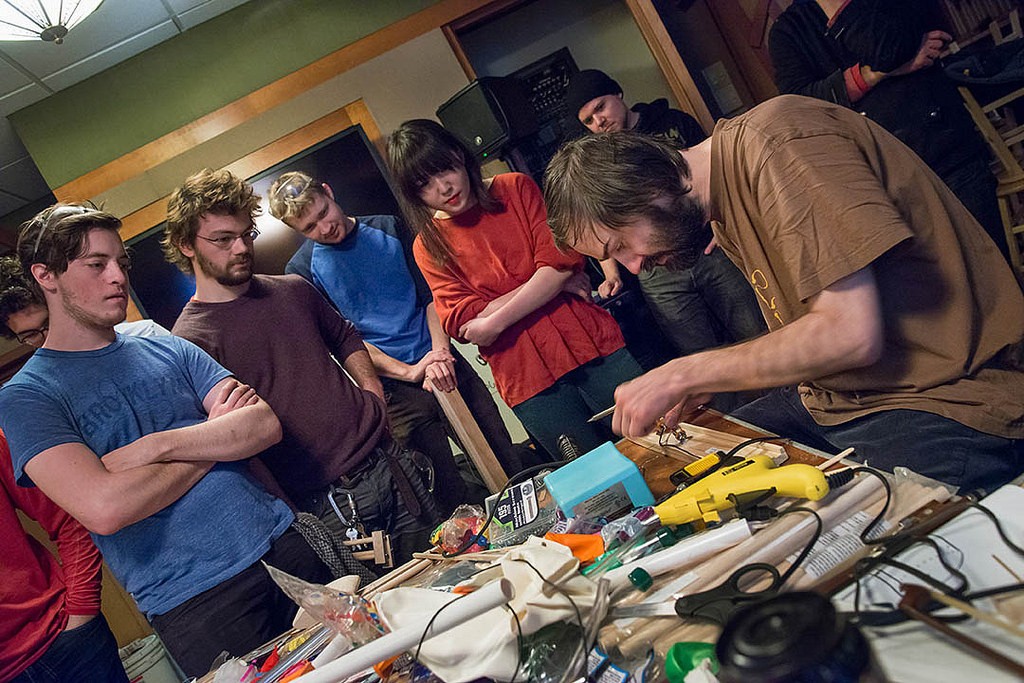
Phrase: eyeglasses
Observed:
(33, 337)
(226, 241)
(293, 189)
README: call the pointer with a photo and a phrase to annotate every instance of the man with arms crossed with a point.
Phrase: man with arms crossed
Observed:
(138, 439)
(885, 299)
(337, 459)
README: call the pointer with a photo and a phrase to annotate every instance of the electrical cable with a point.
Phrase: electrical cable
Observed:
(516, 478)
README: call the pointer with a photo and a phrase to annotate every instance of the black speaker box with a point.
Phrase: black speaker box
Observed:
(489, 113)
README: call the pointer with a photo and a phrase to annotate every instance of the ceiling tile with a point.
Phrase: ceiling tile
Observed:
(11, 148)
(22, 97)
(9, 205)
(105, 59)
(113, 22)
(10, 78)
(22, 179)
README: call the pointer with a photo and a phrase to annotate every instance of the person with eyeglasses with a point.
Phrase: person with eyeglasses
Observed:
(337, 459)
(366, 268)
(23, 314)
(144, 442)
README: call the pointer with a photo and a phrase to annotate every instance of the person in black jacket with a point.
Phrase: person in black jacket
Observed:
(879, 57)
(707, 305)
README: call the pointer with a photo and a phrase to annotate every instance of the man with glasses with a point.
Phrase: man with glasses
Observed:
(23, 314)
(337, 459)
(365, 267)
(141, 441)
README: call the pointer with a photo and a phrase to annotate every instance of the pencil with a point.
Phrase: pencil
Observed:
(603, 414)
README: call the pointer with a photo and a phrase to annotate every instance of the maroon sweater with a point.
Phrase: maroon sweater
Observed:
(279, 337)
(36, 593)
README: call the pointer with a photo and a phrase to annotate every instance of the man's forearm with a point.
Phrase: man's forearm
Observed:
(387, 366)
(842, 331)
(115, 499)
(439, 339)
(360, 368)
(234, 436)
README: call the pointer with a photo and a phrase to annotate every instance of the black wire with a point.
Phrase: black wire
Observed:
(807, 548)
(999, 527)
(519, 634)
(516, 478)
(579, 615)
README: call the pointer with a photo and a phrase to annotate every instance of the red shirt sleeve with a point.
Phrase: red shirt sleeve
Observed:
(455, 302)
(79, 557)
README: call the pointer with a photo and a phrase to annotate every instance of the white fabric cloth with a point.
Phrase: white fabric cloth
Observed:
(487, 646)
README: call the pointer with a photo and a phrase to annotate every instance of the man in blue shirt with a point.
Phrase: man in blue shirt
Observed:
(365, 267)
(140, 440)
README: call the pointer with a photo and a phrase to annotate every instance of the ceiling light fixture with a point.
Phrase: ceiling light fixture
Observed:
(47, 19)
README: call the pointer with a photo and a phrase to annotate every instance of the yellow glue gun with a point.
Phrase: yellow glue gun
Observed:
(718, 491)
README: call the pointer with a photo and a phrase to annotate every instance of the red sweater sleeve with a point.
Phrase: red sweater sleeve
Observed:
(80, 560)
(455, 302)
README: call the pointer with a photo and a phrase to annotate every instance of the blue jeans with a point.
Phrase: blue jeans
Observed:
(710, 304)
(928, 444)
(565, 407)
(86, 653)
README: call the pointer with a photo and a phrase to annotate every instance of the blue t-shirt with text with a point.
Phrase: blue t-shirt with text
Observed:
(113, 396)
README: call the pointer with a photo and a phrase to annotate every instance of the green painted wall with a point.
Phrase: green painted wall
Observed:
(93, 122)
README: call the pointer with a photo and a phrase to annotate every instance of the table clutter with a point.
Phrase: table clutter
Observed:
(700, 554)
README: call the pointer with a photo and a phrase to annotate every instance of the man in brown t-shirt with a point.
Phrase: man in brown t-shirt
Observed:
(886, 302)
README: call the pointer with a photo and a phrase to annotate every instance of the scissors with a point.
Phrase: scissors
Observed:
(715, 605)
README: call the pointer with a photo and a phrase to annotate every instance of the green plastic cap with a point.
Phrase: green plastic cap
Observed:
(641, 579)
(682, 658)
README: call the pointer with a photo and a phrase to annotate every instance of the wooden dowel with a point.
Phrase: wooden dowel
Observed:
(973, 611)
(984, 650)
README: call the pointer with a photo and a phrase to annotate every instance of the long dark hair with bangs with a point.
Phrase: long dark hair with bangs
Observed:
(418, 150)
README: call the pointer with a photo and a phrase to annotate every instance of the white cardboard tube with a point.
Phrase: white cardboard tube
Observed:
(459, 611)
(687, 551)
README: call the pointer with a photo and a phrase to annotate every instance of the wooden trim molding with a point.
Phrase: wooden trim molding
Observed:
(229, 116)
(667, 56)
(153, 214)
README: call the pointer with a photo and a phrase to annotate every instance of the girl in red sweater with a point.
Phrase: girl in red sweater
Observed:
(499, 282)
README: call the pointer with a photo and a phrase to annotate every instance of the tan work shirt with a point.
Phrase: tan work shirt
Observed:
(805, 193)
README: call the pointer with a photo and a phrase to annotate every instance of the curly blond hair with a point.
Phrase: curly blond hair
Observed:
(218, 192)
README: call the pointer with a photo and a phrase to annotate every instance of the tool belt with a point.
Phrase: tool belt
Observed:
(389, 451)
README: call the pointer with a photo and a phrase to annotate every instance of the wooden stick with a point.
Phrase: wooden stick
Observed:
(394, 578)
(472, 439)
(1009, 571)
(835, 458)
(474, 557)
(973, 611)
(912, 597)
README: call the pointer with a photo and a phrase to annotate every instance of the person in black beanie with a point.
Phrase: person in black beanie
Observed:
(702, 307)
(596, 100)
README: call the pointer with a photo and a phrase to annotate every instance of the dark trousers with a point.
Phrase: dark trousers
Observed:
(417, 422)
(975, 186)
(380, 503)
(86, 653)
(928, 444)
(708, 305)
(565, 407)
(241, 613)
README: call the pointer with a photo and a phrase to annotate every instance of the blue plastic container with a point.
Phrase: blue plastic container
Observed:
(601, 483)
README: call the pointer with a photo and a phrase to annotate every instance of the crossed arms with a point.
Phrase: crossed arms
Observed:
(143, 477)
